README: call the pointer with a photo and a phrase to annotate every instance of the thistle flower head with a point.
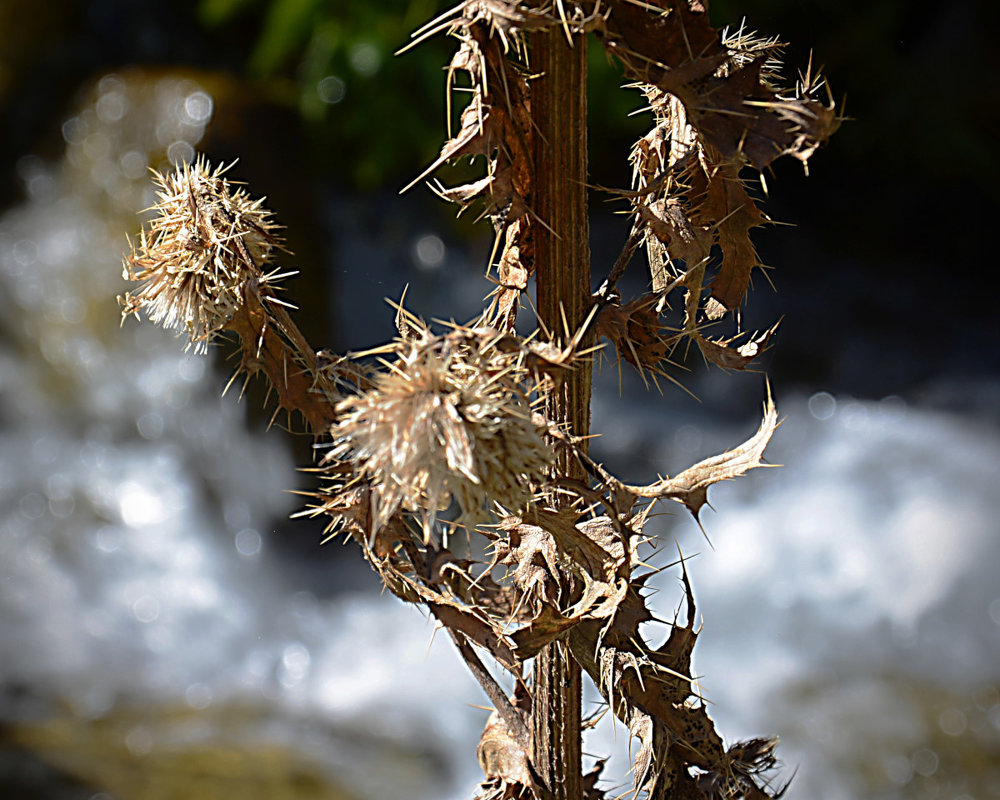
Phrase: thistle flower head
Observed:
(450, 420)
(204, 243)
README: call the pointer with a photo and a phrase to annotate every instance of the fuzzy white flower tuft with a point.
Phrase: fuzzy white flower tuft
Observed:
(450, 420)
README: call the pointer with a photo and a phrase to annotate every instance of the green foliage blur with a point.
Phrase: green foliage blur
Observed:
(369, 112)
(373, 114)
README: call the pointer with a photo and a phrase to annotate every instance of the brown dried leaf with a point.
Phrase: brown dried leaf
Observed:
(533, 554)
(601, 600)
(735, 215)
(670, 50)
(516, 265)
(641, 728)
(674, 655)
(481, 631)
(690, 487)
(547, 626)
(722, 355)
(463, 195)
(500, 755)
(596, 547)
(740, 115)
(726, 89)
(668, 222)
(637, 334)
(458, 617)
(507, 202)
(582, 543)
(475, 137)
(515, 262)
(497, 124)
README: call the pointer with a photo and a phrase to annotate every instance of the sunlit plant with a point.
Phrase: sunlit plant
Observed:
(457, 458)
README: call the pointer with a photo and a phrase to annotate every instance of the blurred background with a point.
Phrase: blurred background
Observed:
(167, 632)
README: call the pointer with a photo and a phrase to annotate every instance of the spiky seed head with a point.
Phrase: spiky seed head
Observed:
(450, 420)
(206, 240)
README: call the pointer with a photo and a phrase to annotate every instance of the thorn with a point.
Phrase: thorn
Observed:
(274, 416)
(243, 389)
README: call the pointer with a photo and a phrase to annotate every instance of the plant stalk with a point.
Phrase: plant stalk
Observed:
(562, 266)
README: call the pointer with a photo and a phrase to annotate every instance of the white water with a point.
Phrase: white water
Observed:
(865, 566)
(136, 508)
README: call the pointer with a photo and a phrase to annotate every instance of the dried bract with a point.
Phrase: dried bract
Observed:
(206, 241)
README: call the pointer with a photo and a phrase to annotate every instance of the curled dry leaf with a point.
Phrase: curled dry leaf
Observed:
(670, 235)
(690, 487)
(513, 273)
(650, 691)
(731, 100)
(734, 214)
(547, 626)
(531, 554)
(592, 550)
(496, 124)
(718, 107)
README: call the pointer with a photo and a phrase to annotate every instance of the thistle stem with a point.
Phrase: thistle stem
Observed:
(559, 109)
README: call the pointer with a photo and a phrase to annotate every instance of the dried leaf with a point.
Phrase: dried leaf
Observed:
(532, 552)
(669, 224)
(735, 215)
(741, 116)
(690, 487)
(516, 265)
(479, 630)
(637, 334)
(723, 86)
(641, 728)
(722, 355)
(583, 543)
(547, 626)
(463, 195)
(671, 49)
(500, 755)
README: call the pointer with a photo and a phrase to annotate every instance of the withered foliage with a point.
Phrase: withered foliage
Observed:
(718, 107)
(439, 461)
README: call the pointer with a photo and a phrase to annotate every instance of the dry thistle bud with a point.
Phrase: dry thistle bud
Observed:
(450, 420)
(205, 243)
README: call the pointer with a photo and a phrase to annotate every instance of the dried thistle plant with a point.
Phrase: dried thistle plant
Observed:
(493, 426)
